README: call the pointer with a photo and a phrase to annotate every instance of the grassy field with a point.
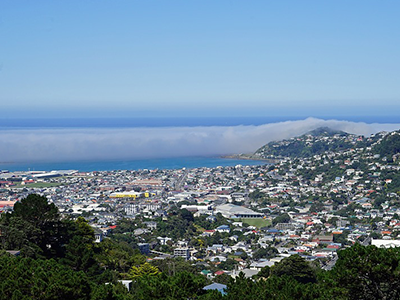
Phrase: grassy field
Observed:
(39, 185)
(257, 222)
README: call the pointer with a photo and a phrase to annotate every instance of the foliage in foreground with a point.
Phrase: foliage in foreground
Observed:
(59, 260)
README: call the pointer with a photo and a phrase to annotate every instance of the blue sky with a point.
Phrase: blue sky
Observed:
(199, 58)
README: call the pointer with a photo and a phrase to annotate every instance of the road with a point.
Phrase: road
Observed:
(331, 263)
(366, 242)
(180, 181)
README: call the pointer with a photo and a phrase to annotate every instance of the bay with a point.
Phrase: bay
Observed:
(139, 164)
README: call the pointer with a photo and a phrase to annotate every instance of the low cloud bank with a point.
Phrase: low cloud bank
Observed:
(137, 143)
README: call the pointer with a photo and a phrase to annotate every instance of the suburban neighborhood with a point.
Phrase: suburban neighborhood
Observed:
(229, 220)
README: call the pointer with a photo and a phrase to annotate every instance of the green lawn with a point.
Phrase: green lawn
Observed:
(39, 185)
(257, 222)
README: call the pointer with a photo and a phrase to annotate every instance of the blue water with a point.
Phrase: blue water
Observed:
(173, 122)
(160, 163)
(165, 163)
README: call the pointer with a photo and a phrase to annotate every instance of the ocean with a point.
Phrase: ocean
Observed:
(138, 164)
(102, 144)
(134, 164)
(124, 122)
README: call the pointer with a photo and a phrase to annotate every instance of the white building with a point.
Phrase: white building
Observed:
(234, 211)
(385, 243)
(182, 252)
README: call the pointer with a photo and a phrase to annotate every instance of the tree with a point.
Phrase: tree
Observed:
(283, 218)
(369, 272)
(341, 238)
(256, 195)
(265, 253)
(229, 264)
(79, 251)
(242, 288)
(36, 210)
(172, 266)
(180, 286)
(117, 256)
(223, 278)
(35, 228)
(186, 215)
(26, 278)
(296, 267)
(264, 272)
(110, 292)
(379, 200)
(145, 269)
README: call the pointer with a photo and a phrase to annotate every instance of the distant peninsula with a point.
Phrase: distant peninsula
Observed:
(318, 142)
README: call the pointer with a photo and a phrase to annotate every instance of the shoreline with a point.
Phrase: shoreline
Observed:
(151, 164)
(249, 157)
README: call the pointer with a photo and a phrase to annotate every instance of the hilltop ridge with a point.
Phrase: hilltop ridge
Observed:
(315, 142)
(325, 131)
(323, 140)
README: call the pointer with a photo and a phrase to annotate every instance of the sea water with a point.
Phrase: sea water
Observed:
(161, 122)
(139, 164)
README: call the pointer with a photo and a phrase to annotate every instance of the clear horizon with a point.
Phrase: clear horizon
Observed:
(209, 58)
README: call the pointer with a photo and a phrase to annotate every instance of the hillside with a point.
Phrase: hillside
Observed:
(324, 139)
(389, 146)
(315, 142)
(326, 131)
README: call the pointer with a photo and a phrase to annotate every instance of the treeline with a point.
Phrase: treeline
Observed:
(389, 146)
(360, 273)
(59, 260)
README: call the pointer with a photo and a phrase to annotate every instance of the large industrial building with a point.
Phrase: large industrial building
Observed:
(234, 211)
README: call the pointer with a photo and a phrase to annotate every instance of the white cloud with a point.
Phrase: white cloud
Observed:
(136, 143)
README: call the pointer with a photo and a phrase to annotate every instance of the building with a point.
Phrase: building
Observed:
(151, 225)
(126, 283)
(131, 194)
(235, 211)
(385, 243)
(323, 239)
(258, 265)
(7, 205)
(223, 228)
(216, 286)
(98, 235)
(285, 226)
(163, 240)
(182, 252)
(144, 248)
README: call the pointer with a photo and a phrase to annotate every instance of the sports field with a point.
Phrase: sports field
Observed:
(257, 222)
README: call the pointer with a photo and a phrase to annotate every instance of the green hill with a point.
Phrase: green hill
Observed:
(315, 142)
(389, 145)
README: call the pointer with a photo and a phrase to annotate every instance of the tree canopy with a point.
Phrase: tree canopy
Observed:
(67, 264)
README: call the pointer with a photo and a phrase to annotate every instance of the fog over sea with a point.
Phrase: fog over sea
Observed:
(156, 143)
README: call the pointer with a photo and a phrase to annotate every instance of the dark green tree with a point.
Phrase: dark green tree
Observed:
(27, 278)
(265, 253)
(283, 218)
(296, 267)
(369, 272)
(35, 228)
(180, 286)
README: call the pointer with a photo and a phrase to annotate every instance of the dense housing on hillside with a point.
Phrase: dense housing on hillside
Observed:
(227, 220)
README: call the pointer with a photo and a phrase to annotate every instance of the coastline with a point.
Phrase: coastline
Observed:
(250, 157)
(137, 164)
